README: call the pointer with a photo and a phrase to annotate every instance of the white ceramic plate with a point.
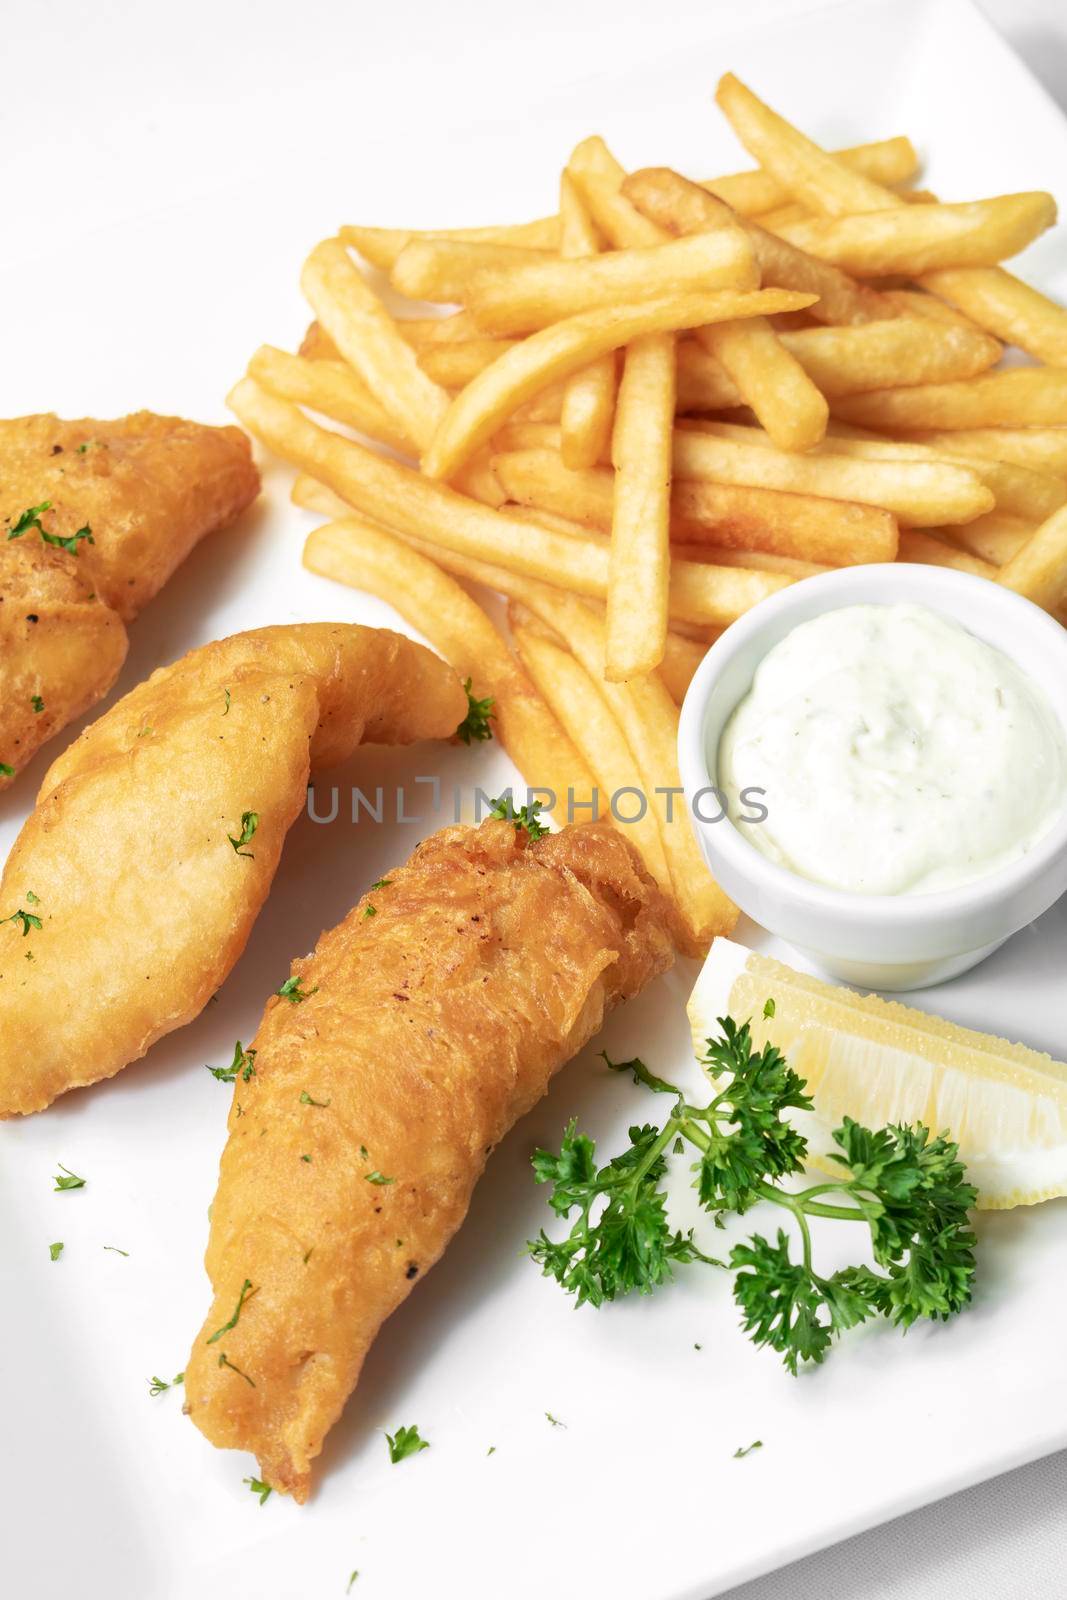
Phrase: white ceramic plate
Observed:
(105, 1491)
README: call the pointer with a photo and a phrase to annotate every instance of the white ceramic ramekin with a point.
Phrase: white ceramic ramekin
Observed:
(883, 941)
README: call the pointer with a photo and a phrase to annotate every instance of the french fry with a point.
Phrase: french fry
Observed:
(844, 361)
(919, 239)
(649, 720)
(598, 177)
(440, 269)
(565, 347)
(682, 654)
(802, 527)
(1017, 490)
(1012, 310)
(739, 517)
(992, 297)
(536, 477)
(366, 336)
(589, 395)
(804, 170)
(332, 388)
(1039, 569)
(575, 699)
(887, 355)
(917, 303)
(454, 365)
(783, 216)
(456, 327)
(918, 493)
(1020, 397)
(640, 526)
(532, 436)
(1043, 449)
(358, 553)
(533, 296)
(995, 538)
(770, 380)
(405, 502)
(382, 246)
(681, 658)
(886, 161)
(680, 207)
(929, 551)
(757, 560)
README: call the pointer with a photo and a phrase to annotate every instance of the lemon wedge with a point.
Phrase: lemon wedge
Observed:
(879, 1062)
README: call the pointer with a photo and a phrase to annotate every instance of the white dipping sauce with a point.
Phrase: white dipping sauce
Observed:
(899, 754)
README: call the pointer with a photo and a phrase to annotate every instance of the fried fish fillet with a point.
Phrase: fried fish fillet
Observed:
(133, 886)
(124, 503)
(60, 648)
(356, 1141)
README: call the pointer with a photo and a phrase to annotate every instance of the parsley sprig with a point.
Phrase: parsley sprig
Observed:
(31, 518)
(908, 1188)
(242, 1066)
(405, 1442)
(475, 725)
(526, 816)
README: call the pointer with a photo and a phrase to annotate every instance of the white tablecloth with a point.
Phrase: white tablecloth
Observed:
(77, 113)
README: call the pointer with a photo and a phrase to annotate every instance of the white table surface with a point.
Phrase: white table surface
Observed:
(126, 105)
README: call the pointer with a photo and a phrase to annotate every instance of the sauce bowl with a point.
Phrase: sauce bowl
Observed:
(905, 941)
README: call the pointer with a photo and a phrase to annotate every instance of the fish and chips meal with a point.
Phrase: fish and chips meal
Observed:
(633, 420)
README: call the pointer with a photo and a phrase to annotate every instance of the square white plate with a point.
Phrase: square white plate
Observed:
(108, 1492)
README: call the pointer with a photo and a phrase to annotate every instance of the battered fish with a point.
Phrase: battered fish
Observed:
(133, 887)
(355, 1143)
(96, 518)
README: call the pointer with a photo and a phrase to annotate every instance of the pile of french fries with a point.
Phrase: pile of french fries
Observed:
(642, 415)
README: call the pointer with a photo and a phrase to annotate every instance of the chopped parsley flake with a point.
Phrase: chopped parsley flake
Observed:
(160, 1385)
(26, 920)
(71, 1181)
(247, 1291)
(291, 990)
(249, 824)
(37, 703)
(745, 1450)
(257, 1486)
(225, 1362)
(242, 1065)
(306, 1100)
(55, 1250)
(378, 1177)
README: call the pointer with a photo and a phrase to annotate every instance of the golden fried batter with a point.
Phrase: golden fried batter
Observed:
(356, 1142)
(138, 863)
(146, 488)
(60, 649)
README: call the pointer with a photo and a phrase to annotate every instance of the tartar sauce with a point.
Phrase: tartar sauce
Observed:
(899, 753)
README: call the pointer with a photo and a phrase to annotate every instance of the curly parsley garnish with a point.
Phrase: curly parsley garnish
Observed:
(71, 1181)
(242, 1065)
(475, 725)
(249, 824)
(526, 816)
(291, 990)
(907, 1188)
(247, 1291)
(405, 1442)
